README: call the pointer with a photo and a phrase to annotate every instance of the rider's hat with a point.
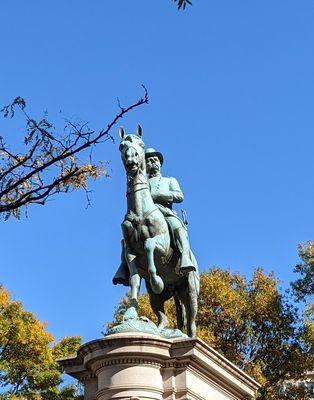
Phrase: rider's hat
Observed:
(151, 152)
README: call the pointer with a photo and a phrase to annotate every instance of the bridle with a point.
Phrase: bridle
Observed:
(139, 173)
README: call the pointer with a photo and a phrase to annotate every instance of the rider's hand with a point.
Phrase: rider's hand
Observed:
(162, 196)
(154, 195)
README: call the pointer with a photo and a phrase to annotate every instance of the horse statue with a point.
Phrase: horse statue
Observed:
(149, 251)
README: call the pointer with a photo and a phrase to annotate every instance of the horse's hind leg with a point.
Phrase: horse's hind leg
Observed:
(191, 311)
(188, 296)
(181, 315)
(157, 303)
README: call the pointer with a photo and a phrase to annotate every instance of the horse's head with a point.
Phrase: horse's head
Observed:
(132, 151)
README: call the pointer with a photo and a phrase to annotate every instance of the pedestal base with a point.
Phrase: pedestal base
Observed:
(145, 367)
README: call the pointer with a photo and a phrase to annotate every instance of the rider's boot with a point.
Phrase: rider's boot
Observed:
(183, 244)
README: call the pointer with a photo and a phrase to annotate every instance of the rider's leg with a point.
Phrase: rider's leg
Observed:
(182, 240)
(155, 280)
(183, 244)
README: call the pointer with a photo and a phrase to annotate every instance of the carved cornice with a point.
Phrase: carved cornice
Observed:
(126, 361)
(87, 377)
(121, 341)
(175, 364)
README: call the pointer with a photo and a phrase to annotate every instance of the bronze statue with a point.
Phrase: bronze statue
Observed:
(155, 244)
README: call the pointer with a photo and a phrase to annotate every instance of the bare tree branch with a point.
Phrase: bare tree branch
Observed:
(50, 163)
(183, 3)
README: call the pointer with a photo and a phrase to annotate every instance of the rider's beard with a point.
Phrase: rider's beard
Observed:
(154, 169)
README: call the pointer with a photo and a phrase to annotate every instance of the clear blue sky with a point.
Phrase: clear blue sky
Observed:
(231, 89)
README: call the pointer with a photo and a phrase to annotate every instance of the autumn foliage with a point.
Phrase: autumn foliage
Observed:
(28, 353)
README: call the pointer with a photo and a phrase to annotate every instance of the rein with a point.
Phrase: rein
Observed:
(137, 190)
(131, 185)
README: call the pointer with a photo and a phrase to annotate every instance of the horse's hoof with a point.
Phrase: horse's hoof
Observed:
(157, 284)
(163, 324)
(192, 330)
(130, 313)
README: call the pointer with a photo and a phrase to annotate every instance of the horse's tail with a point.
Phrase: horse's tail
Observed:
(181, 314)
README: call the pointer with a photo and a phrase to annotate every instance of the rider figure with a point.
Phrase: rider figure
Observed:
(165, 192)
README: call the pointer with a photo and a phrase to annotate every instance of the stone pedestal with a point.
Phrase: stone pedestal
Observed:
(145, 367)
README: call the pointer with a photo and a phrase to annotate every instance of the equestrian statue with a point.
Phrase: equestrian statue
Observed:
(155, 245)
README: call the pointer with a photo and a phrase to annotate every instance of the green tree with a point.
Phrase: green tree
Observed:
(252, 324)
(304, 286)
(28, 353)
(49, 162)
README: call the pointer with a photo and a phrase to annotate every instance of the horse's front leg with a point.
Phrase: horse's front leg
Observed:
(156, 282)
(135, 280)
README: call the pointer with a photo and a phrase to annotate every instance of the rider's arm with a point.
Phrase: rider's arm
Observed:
(175, 190)
(173, 195)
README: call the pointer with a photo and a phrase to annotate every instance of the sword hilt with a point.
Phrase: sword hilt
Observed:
(184, 217)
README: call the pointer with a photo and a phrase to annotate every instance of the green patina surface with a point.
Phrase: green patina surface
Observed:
(155, 244)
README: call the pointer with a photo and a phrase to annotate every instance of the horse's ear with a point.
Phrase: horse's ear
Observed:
(139, 130)
(121, 133)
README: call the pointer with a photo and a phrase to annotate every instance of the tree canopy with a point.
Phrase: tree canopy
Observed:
(28, 353)
(253, 325)
(304, 286)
